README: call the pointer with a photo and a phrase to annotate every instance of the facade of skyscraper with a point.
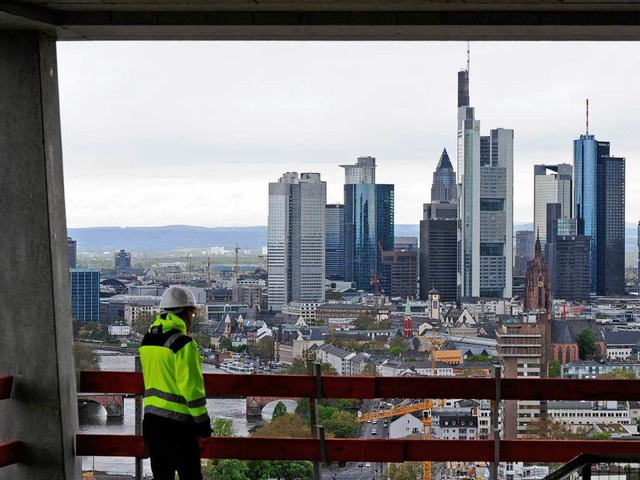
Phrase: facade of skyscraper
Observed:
(444, 188)
(525, 243)
(567, 255)
(334, 243)
(296, 239)
(403, 265)
(122, 262)
(439, 250)
(599, 204)
(485, 178)
(368, 226)
(611, 230)
(85, 294)
(72, 247)
(438, 234)
(551, 184)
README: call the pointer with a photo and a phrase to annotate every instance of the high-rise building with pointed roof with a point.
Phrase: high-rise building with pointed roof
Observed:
(444, 188)
(439, 235)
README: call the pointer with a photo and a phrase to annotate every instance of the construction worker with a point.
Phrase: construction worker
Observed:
(175, 404)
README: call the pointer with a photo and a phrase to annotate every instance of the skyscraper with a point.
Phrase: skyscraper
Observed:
(368, 226)
(72, 247)
(525, 246)
(85, 295)
(485, 177)
(551, 184)
(599, 199)
(296, 239)
(334, 246)
(439, 250)
(611, 230)
(444, 188)
(122, 262)
(438, 235)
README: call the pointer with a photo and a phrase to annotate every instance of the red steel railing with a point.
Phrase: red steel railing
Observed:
(381, 450)
(9, 451)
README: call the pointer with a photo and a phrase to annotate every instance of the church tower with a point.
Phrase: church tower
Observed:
(407, 323)
(537, 286)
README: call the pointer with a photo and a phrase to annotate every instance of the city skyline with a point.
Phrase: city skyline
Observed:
(130, 127)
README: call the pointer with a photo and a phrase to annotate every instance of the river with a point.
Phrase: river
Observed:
(93, 418)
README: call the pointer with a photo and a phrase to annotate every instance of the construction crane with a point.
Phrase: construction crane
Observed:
(565, 310)
(375, 281)
(425, 406)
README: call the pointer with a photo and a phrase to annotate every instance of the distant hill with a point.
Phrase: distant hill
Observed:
(176, 237)
(165, 239)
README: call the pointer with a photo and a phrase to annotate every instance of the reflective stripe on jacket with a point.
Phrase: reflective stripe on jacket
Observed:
(173, 382)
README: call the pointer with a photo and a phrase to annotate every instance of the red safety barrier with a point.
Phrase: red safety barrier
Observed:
(5, 387)
(9, 453)
(222, 385)
(380, 450)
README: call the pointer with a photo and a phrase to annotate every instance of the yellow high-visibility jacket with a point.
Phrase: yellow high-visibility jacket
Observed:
(173, 382)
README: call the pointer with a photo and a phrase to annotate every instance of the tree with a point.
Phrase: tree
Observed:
(142, 323)
(288, 425)
(222, 427)
(227, 470)
(370, 369)
(85, 359)
(300, 366)
(549, 428)
(480, 358)
(601, 436)
(265, 348)
(555, 369)
(363, 321)
(405, 471)
(620, 374)
(341, 424)
(279, 410)
(587, 344)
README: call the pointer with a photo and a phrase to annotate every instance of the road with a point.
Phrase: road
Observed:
(362, 470)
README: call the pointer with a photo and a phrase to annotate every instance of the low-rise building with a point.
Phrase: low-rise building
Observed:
(405, 426)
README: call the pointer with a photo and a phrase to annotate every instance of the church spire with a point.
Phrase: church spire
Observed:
(538, 252)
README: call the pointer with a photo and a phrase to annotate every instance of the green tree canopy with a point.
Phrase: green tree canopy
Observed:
(300, 366)
(405, 471)
(265, 348)
(480, 358)
(370, 369)
(587, 344)
(341, 424)
(226, 470)
(619, 373)
(555, 369)
(549, 428)
(601, 436)
(287, 425)
(222, 427)
(279, 410)
(85, 359)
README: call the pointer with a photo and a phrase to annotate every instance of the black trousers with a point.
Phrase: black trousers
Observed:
(173, 447)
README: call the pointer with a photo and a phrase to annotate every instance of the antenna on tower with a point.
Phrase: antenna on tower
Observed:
(468, 56)
(587, 116)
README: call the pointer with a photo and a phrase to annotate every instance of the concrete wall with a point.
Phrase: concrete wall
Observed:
(35, 329)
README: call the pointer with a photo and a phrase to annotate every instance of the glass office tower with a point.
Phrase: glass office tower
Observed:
(599, 198)
(368, 226)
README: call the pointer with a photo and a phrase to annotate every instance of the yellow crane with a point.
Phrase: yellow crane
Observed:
(425, 406)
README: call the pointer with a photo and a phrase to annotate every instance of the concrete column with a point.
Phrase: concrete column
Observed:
(35, 307)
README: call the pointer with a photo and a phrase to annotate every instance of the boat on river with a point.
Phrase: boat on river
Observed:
(233, 366)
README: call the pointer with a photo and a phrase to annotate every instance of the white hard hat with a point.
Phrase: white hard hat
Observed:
(177, 297)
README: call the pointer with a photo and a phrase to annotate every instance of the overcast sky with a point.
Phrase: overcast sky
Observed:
(164, 133)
